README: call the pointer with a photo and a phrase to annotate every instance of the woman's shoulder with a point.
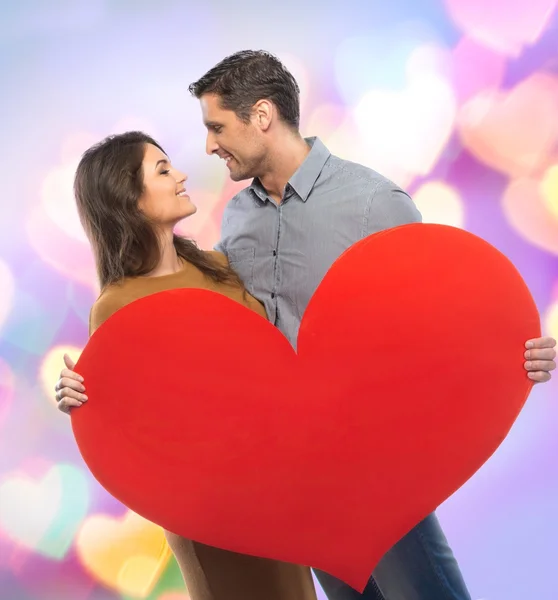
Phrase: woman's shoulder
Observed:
(111, 299)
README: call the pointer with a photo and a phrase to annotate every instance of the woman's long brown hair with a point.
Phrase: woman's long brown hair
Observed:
(108, 185)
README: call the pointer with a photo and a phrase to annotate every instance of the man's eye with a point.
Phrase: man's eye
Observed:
(217, 129)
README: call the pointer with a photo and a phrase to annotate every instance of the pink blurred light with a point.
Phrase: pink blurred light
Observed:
(7, 384)
(503, 25)
(475, 69)
(513, 131)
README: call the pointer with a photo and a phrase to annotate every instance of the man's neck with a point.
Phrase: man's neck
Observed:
(288, 154)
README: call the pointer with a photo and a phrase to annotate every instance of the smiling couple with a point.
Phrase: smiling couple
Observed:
(303, 208)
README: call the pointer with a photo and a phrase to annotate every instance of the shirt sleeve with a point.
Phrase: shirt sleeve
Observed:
(389, 207)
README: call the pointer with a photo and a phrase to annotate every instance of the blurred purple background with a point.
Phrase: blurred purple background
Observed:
(456, 101)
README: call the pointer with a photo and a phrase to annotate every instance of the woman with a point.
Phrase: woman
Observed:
(129, 199)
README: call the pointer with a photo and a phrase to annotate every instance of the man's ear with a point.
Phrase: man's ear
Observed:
(263, 113)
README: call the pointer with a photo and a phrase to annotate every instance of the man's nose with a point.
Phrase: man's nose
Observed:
(211, 145)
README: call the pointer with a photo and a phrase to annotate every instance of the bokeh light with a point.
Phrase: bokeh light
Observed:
(422, 113)
(378, 59)
(7, 384)
(127, 554)
(549, 189)
(64, 253)
(475, 69)
(528, 209)
(440, 203)
(59, 203)
(44, 515)
(456, 101)
(502, 25)
(504, 130)
(7, 287)
(552, 320)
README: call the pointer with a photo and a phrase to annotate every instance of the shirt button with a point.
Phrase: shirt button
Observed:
(275, 253)
(272, 295)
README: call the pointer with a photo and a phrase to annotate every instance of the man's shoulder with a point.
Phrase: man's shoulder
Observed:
(342, 167)
(335, 166)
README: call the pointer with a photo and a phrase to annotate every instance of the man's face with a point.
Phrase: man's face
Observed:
(240, 145)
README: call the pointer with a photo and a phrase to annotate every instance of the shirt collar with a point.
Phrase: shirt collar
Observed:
(305, 176)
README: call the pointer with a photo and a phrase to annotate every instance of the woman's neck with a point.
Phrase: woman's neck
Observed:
(169, 261)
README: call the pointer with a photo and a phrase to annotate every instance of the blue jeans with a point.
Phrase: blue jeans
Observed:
(421, 566)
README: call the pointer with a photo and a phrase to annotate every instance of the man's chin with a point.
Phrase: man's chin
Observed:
(236, 176)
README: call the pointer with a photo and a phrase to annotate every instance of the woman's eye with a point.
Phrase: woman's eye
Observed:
(165, 172)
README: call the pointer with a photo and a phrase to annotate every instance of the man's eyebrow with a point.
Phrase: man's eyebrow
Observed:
(212, 124)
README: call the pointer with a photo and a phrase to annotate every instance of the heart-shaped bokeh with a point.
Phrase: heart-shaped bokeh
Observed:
(502, 25)
(513, 131)
(44, 515)
(425, 110)
(53, 227)
(334, 460)
(128, 554)
(530, 205)
(422, 112)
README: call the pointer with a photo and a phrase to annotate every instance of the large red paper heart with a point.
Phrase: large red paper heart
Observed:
(409, 374)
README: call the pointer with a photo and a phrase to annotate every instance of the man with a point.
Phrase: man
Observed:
(303, 208)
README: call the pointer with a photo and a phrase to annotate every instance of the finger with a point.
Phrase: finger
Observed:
(539, 376)
(540, 365)
(541, 354)
(66, 382)
(71, 375)
(67, 404)
(69, 393)
(543, 342)
(70, 364)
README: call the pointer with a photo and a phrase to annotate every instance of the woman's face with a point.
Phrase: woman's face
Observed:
(164, 200)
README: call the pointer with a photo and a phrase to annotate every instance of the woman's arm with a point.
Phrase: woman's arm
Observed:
(70, 388)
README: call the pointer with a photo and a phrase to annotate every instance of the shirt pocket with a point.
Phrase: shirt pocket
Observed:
(242, 261)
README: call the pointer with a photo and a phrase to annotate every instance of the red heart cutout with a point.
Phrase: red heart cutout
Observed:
(409, 374)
